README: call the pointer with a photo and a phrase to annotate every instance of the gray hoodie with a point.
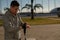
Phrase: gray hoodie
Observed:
(12, 26)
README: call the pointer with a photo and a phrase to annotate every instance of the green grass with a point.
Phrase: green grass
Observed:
(37, 21)
(41, 21)
(1, 22)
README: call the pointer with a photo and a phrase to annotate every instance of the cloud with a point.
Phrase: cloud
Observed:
(38, 10)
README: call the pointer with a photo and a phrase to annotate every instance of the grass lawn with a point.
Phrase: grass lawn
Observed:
(41, 21)
(38, 21)
(1, 22)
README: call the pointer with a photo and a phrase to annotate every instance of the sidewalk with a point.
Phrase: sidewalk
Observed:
(40, 32)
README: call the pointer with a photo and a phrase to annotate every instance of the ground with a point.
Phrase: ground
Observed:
(40, 32)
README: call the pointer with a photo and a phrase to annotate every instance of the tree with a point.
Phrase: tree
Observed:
(28, 6)
(6, 9)
(32, 8)
(37, 6)
(32, 15)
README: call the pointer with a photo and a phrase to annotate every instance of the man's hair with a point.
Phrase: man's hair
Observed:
(14, 3)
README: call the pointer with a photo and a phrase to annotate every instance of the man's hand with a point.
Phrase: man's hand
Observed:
(27, 25)
(20, 27)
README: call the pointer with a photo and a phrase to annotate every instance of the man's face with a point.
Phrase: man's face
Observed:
(14, 9)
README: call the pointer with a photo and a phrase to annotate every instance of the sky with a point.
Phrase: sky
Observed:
(48, 5)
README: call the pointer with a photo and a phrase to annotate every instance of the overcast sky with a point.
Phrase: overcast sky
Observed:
(47, 6)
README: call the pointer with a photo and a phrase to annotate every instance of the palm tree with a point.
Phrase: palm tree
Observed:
(28, 6)
(37, 6)
(6, 9)
(32, 16)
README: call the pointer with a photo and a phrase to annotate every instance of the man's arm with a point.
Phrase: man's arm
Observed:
(21, 21)
(23, 24)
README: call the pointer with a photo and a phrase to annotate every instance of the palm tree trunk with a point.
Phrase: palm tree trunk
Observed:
(32, 15)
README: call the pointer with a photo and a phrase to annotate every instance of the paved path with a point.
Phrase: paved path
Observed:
(41, 32)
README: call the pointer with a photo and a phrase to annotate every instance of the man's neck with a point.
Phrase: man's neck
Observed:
(13, 14)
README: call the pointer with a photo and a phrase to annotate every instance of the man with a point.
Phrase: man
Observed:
(12, 22)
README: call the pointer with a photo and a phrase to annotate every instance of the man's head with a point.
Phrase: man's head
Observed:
(14, 7)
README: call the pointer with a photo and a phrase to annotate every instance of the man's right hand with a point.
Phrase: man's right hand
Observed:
(20, 27)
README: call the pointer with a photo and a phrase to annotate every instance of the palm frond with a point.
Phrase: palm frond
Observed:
(6, 8)
(28, 6)
(23, 7)
(38, 6)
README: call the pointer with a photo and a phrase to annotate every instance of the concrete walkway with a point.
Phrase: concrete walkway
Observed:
(40, 32)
